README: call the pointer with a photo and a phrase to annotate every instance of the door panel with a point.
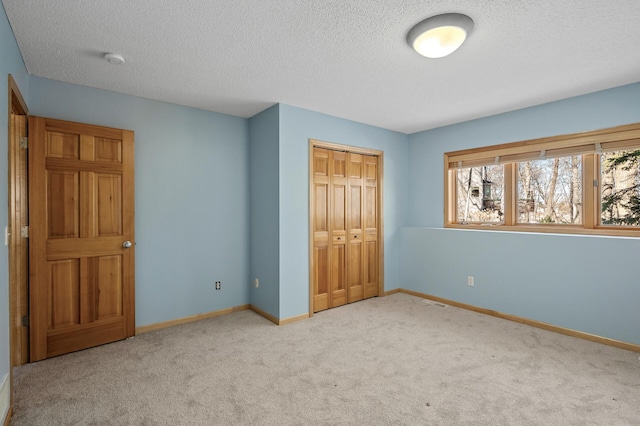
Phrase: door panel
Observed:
(62, 199)
(339, 190)
(320, 226)
(65, 293)
(339, 208)
(338, 226)
(321, 277)
(355, 205)
(371, 208)
(107, 271)
(321, 222)
(109, 204)
(338, 276)
(81, 212)
(371, 270)
(108, 150)
(371, 202)
(355, 166)
(355, 250)
(63, 145)
(355, 271)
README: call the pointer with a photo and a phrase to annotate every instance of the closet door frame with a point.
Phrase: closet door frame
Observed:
(313, 143)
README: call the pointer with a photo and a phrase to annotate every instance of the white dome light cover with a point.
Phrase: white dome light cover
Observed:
(440, 35)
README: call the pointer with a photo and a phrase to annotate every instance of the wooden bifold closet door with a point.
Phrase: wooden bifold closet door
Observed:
(345, 223)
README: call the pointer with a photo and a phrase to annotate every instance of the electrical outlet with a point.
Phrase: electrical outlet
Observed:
(256, 282)
(470, 281)
(218, 285)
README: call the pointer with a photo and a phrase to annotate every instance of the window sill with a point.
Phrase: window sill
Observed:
(549, 229)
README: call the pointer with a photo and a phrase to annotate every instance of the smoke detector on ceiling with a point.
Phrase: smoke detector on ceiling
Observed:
(114, 58)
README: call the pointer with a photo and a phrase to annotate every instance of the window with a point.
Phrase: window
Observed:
(550, 191)
(480, 194)
(581, 183)
(620, 188)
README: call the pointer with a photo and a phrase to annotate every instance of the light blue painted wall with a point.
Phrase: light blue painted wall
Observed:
(10, 63)
(264, 140)
(580, 282)
(297, 126)
(191, 194)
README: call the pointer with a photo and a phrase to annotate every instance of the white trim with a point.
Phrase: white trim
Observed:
(4, 398)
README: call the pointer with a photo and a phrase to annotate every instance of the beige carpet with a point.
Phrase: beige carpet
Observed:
(385, 361)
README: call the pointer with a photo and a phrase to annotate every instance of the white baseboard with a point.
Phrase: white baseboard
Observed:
(4, 398)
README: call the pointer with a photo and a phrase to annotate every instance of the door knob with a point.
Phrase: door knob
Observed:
(126, 244)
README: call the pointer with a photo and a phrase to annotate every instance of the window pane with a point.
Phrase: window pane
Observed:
(550, 191)
(480, 192)
(620, 177)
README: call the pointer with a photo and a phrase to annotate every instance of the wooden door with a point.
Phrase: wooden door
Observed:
(81, 214)
(345, 227)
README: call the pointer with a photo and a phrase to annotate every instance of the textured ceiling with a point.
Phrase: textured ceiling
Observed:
(346, 58)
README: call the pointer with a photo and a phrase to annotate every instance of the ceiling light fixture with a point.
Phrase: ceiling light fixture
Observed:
(440, 35)
(114, 58)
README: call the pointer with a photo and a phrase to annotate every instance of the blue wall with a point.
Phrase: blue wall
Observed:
(264, 139)
(580, 282)
(225, 198)
(192, 196)
(297, 126)
(279, 161)
(10, 63)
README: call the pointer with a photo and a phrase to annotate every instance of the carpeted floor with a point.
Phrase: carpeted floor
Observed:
(385, 361)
